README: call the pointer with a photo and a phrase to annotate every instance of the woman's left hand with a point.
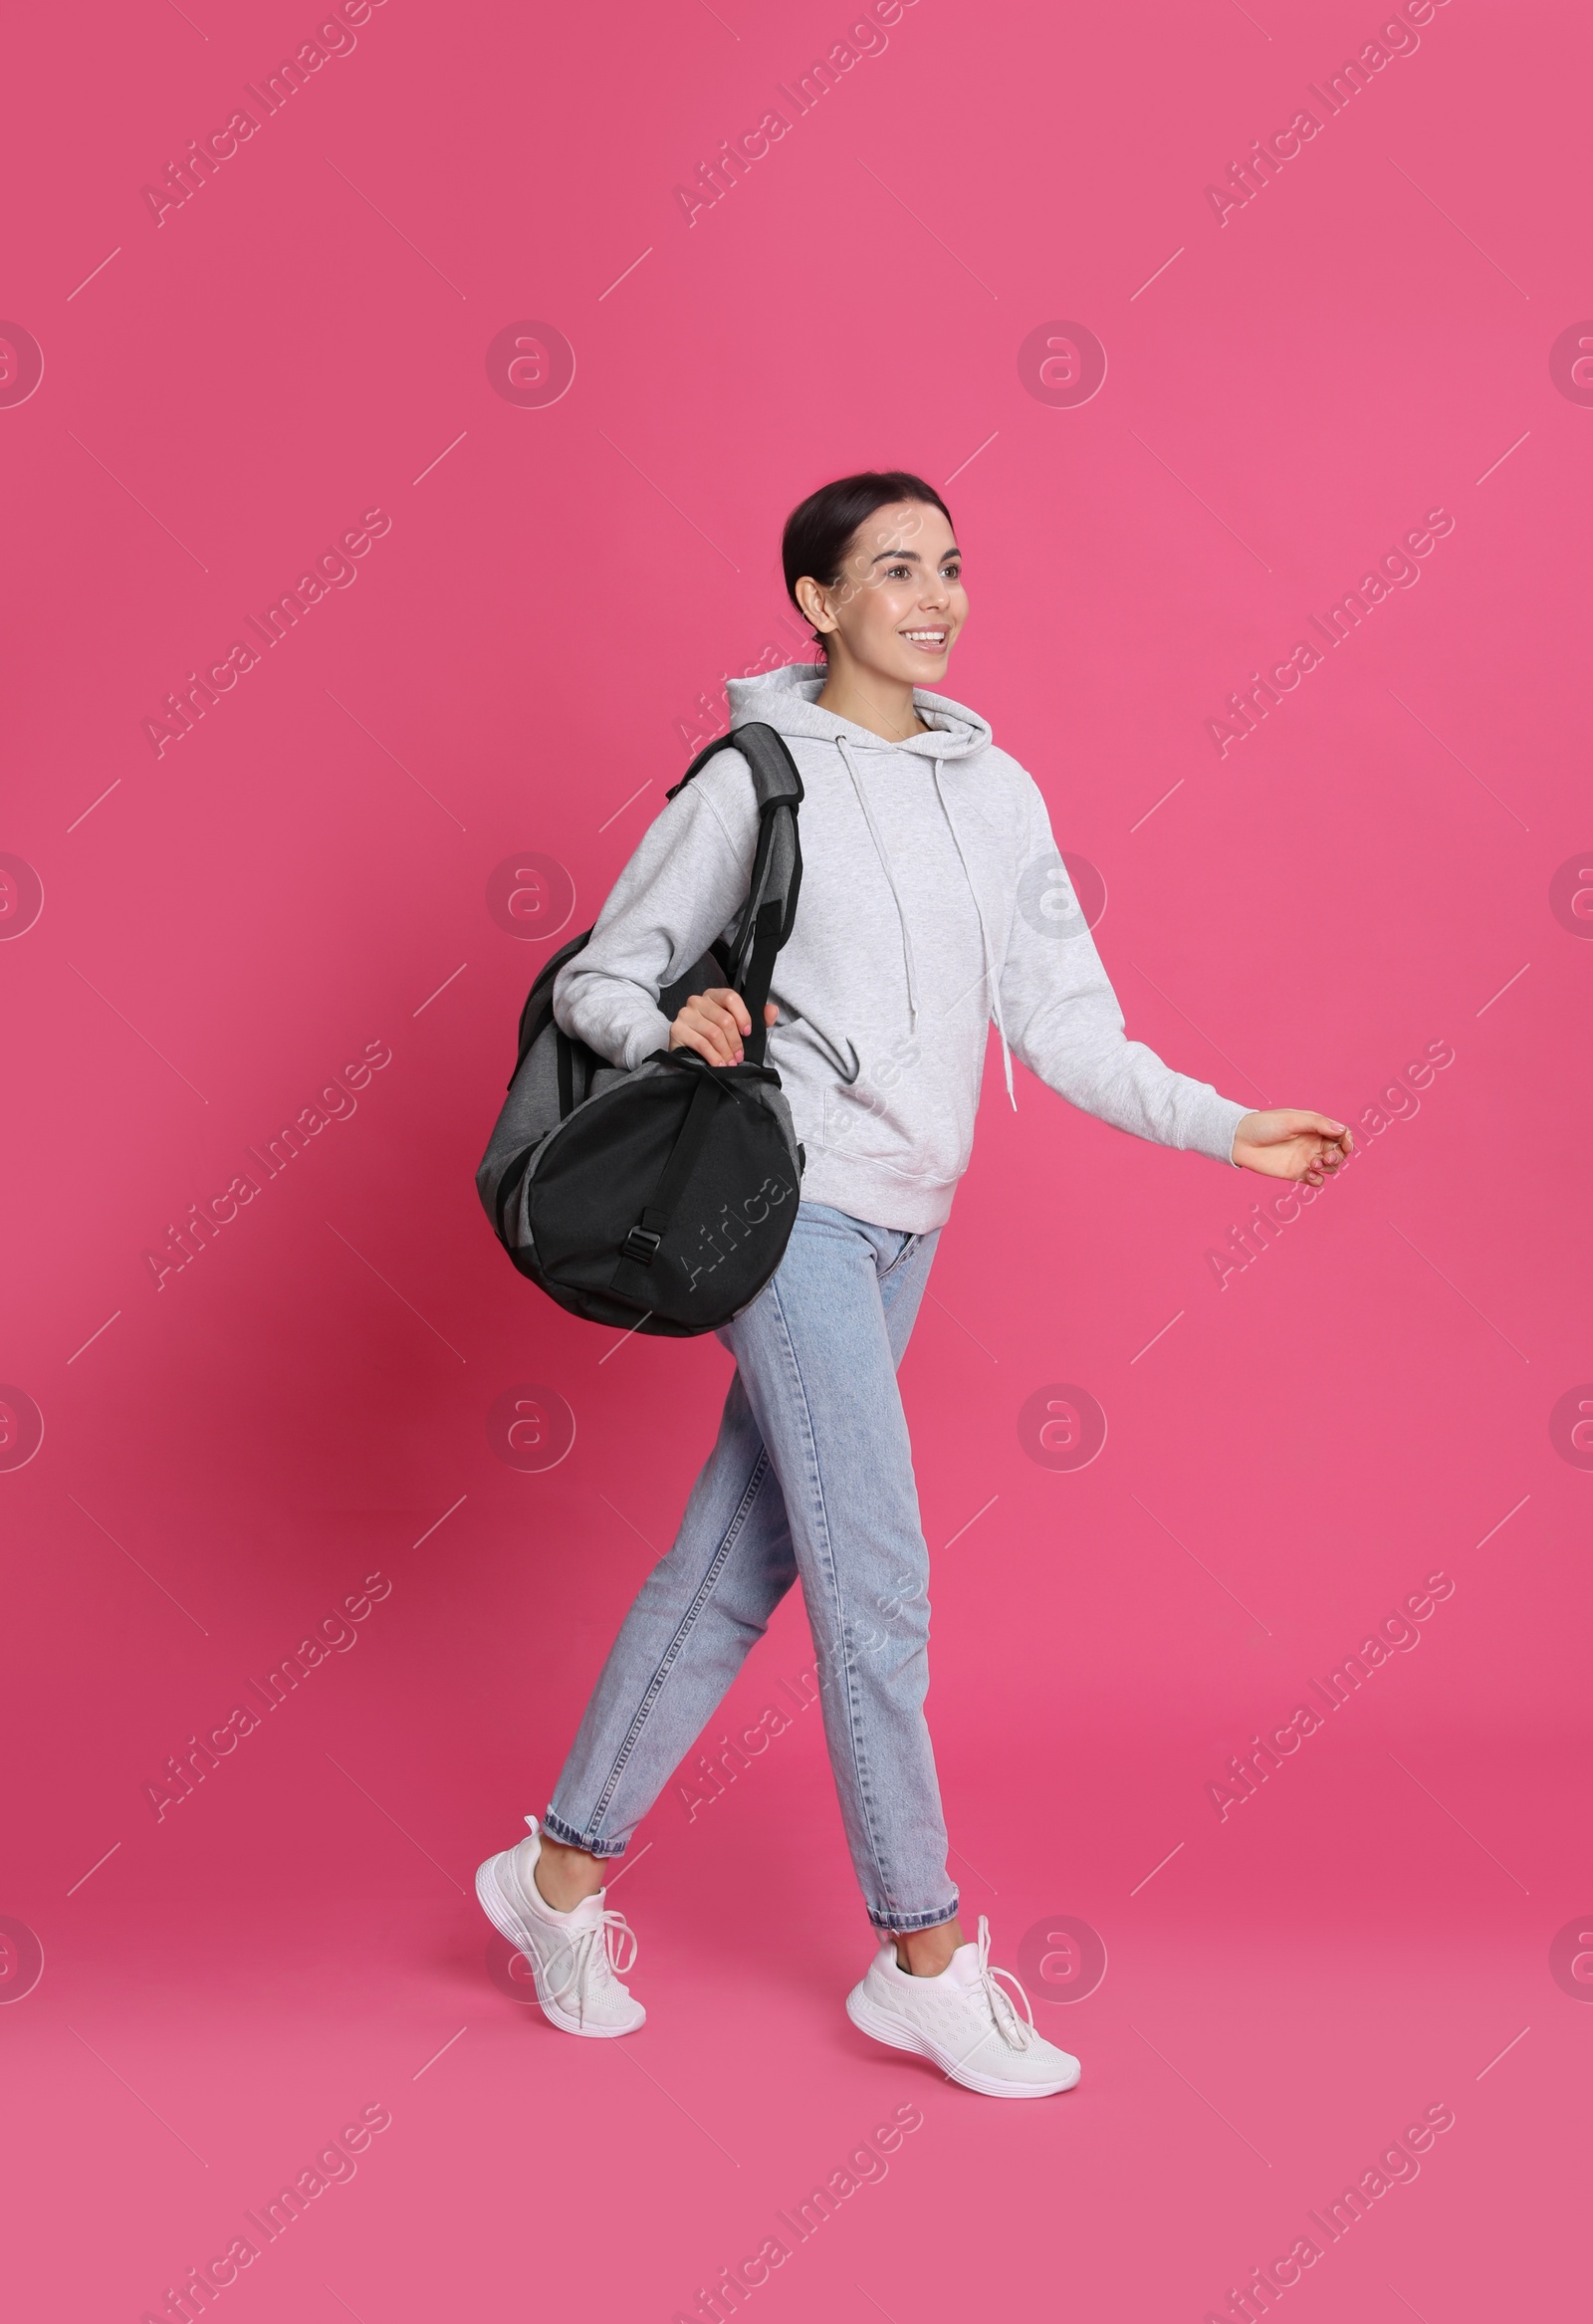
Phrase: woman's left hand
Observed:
(1282, 1143)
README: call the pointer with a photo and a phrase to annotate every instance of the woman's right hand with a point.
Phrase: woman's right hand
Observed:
(715, 1024)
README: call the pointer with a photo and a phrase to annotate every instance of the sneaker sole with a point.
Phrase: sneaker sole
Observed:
(507, 1922)
(881, 2025)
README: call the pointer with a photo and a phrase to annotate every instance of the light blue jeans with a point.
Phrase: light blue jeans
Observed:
(812, 1475)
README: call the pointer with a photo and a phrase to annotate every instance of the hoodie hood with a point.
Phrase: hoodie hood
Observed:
(787, 700)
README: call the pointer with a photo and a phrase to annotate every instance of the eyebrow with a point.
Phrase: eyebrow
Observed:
(911, 556)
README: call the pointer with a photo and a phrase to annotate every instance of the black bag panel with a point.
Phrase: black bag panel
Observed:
(593, 1178)
(532, 1109)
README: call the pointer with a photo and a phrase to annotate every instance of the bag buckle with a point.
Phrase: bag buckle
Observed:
(641, 1244)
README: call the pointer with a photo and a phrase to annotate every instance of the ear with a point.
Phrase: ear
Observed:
(811, 599)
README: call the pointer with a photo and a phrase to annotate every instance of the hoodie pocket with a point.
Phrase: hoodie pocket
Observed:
(872, 1092)
(888, 1116)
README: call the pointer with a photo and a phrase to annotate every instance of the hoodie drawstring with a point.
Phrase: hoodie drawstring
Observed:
(993, 990)
(891, 882)
(991, 986)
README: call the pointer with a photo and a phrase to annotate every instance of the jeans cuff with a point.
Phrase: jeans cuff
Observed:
(557, 1829)
(909, 1924)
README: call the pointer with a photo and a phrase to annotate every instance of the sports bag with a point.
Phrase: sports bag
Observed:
(660, 1199)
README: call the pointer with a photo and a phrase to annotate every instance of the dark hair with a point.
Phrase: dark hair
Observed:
(819, 530)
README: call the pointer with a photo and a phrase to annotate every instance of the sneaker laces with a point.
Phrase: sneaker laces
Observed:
(591, 1963)
(1014, 2030)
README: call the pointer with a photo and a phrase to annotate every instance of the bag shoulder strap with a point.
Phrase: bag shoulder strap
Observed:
(721, 742)
(771, 906)
(765, 920)
(774, 769)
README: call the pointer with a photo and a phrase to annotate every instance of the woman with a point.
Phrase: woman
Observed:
(933, 901)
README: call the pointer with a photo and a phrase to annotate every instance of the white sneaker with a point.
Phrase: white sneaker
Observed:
(964, 2020)
(573, 1956)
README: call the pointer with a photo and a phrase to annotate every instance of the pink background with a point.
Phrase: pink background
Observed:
(520, 665)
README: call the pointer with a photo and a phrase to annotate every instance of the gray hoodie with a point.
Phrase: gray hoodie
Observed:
(933, 902)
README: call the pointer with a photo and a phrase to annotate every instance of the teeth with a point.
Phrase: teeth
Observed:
(938, 636)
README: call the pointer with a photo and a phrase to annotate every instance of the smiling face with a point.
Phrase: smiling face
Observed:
(895, 610)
